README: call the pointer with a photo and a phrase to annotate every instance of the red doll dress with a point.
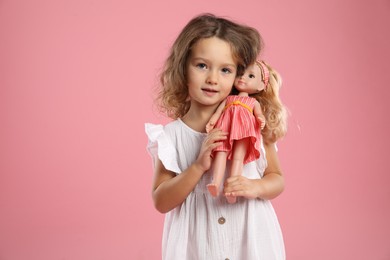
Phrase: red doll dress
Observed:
(238, 120)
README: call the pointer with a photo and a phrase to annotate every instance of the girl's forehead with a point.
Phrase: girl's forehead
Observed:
(214, 49)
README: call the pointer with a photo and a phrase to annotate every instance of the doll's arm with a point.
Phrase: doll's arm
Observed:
(258, 113)
(214, 118)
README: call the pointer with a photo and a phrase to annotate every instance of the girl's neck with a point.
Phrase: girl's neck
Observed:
(197, 119)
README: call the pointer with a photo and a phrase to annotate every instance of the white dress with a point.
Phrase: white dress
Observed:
(208, 228)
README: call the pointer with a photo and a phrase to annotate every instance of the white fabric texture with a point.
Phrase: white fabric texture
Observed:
(204, 227)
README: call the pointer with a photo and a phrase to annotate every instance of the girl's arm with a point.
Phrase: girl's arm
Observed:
(272, 183)
(214, 118)
(169, 189)
(268, 187)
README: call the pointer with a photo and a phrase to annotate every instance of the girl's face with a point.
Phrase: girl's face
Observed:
(250, 82)
(211, 72)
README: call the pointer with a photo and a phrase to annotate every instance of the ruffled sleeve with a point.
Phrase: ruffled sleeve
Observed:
(160, 147)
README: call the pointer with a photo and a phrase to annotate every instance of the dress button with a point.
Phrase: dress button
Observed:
(221, 220)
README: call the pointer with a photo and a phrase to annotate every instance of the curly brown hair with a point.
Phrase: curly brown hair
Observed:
(244, 41)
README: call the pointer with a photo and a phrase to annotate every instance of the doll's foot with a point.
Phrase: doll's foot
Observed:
(213, 189)
(231, 199)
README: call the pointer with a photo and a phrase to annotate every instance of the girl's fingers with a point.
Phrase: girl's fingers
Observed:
(213, 140)
(236, 183)
(215, 145)
(233, 179)
(216, 135)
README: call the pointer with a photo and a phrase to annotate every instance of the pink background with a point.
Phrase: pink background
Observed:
(76, 84)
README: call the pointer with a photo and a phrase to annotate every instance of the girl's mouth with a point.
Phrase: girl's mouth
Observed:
(209, 91)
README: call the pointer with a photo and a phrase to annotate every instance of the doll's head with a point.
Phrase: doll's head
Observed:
(273, 109)
(245, 43)
(254, 79)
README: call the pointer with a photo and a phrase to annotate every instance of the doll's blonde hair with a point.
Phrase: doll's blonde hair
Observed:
(273, 109)
(245, 42)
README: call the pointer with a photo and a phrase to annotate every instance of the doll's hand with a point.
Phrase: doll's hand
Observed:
(212, 141)
(240, 186)
(261, 120)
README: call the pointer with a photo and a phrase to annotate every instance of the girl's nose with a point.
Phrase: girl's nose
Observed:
(212, 78)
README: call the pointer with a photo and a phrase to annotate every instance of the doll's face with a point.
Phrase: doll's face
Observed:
(250, 82)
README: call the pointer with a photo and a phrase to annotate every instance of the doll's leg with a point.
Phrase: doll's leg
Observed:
(239, 151)
(218, 169)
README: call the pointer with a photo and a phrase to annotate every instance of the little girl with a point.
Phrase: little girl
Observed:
(240, 115)
(198, 75)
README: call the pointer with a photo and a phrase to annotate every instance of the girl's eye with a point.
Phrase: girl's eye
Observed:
(201, 66)
(226, 71)
(251, 76)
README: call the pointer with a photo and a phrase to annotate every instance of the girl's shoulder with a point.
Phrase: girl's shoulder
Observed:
(179, 127)
(175, 124)
(173, 130)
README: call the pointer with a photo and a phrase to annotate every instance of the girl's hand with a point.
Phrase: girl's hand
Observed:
(240, 186)
(212, 141)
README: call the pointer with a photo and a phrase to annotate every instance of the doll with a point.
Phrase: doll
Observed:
(242, 117)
